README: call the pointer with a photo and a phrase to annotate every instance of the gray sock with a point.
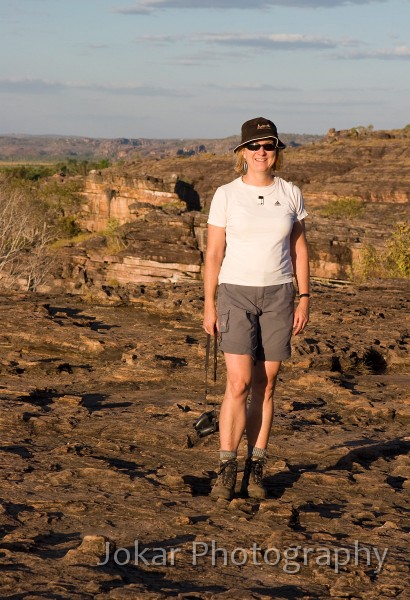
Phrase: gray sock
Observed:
(258, 453)
(225, 455)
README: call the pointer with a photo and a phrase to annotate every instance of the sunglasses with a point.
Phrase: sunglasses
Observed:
(268, 147)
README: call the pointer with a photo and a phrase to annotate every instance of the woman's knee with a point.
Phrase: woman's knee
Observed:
(264, 375)
(238, 386)
(264, 385)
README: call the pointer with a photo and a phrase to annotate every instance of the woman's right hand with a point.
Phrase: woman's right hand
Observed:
(210, 323)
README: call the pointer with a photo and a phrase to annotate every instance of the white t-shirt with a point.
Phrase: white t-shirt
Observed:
(258, 222)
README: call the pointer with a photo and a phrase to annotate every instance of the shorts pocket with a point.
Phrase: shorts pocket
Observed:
(223, 322)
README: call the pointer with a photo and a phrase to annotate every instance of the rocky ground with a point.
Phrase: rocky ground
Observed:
(100, 462)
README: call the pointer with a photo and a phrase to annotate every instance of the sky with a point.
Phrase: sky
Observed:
(200, 68)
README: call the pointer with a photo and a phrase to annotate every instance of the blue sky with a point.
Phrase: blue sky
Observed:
(199, 68)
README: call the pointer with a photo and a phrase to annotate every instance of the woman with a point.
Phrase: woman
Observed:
(256, 242)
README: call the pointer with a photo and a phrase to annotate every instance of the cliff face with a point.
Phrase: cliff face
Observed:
(121, 198)
(112, 197)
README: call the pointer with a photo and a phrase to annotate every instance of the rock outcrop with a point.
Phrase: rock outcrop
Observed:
(109, 197)
(158, 246)
(374, 170)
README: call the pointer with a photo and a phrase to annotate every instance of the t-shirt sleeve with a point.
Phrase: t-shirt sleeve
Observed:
(300, 211)
(217, 212)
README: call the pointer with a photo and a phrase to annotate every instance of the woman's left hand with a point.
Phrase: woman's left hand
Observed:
(301, 316)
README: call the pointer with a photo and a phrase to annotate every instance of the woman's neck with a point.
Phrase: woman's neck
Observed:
(258, 179)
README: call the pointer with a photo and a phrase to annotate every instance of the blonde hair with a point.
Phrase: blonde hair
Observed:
(240, 161)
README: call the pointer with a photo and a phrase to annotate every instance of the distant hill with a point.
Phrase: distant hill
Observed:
(47, 148)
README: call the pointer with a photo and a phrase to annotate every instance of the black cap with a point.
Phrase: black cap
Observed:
(259, 129)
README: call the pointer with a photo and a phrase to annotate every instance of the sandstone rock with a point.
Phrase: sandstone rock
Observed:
(114, 197)
(130, 357)
(91, 551)
(70, 399)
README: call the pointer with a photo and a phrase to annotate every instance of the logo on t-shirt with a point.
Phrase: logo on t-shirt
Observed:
(277, 203)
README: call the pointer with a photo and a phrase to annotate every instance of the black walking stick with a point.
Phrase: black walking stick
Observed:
(207, 423)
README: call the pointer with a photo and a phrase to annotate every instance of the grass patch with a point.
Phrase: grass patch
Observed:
(344, 208)
(81, 237)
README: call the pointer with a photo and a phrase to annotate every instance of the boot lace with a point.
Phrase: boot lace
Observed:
(257, 471)
(227, 473)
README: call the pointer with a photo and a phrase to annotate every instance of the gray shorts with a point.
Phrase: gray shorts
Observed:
(256, 320)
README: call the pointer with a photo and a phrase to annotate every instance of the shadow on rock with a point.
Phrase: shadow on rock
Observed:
(58, 314)
(200, 486)
(128, 467)
(365, 455)
(94, 402)
(277, 484)
(284, 592)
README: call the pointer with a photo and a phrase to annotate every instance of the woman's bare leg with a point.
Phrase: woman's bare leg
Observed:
(260, 411)
(232, 418)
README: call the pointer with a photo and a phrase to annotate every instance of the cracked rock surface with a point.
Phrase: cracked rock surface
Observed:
(104, 486)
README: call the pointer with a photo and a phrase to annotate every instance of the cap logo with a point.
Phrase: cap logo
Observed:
(263, 126)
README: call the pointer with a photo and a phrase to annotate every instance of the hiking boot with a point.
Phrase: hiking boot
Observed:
(225, 483)
(252, 485)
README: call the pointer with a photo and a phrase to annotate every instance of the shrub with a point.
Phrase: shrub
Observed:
(81, 167)
(24, 235)
(392, 261)
(368, 264)
(397, 257)
(61, 200)
(113, 236)
(65, 197)
(28, 172)
(68, 226)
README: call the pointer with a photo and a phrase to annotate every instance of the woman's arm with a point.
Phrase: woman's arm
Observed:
(300, 261)
(215, 250)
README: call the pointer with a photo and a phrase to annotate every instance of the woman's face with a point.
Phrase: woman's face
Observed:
(261, 160)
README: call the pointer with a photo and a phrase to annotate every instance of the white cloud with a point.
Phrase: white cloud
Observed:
(205, 58)
(30, 86)
(144, 7)
(284, 41)
(134, 89)
(163, 39)
(398, 53)
(253, 87)
(42, 86)
(275, 40)
(97, 46)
